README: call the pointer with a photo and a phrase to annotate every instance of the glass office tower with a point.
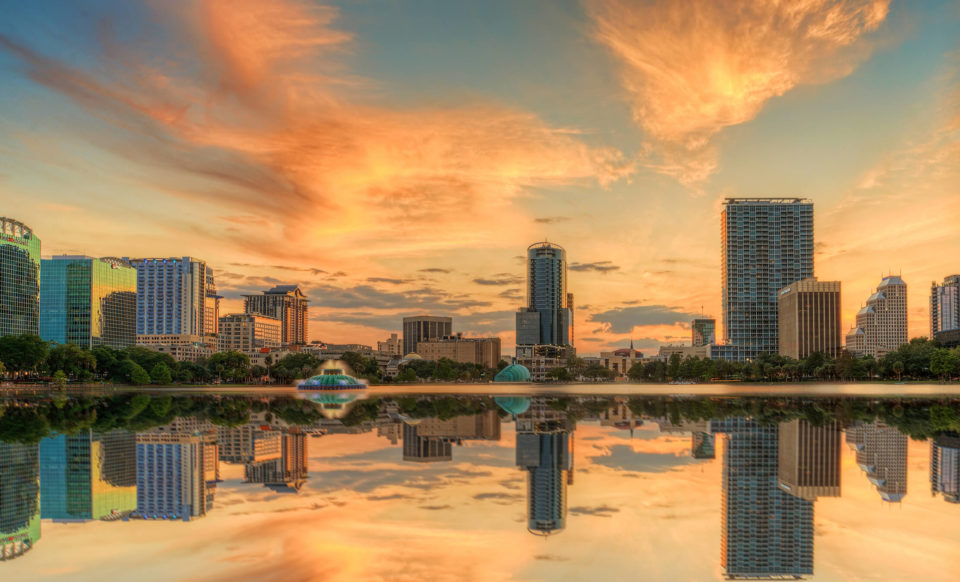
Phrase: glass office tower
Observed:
(88, 302)
(767, 244)
(19, 279)
(19, 499)
(546, 320)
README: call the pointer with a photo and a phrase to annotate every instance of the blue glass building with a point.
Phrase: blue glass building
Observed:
(19, 279)
(547, 318)
(88, 302)
(767, 244)
(175, 296)
(88, 476)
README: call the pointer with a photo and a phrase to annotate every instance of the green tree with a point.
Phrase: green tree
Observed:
(138, 376)
(231, 366)
(160, 374)
(22, 353)
(898, 368)
(59, 379)
(3, 370)
(559, 374)
(407, 374)
(673, 366)
(73, 360)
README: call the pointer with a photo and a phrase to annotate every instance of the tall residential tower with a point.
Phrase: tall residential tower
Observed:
(175, 296)
(286, 303)
(766, 244)
(19, 279)
(881, 323)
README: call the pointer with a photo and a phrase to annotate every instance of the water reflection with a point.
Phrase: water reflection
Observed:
(126, 457)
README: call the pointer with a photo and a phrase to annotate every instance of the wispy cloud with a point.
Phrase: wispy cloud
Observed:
(597, 266)
(694, 67)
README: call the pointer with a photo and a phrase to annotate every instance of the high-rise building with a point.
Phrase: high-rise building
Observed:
(89, 302)
(703, 331)
(945, 467)
(286, 303)
(19, 279)
(945, 305)
(766, 532)
(467, 350)
(547, 317)
(19, 499)
(882, 455)
(703, 445)
(422, 328)
(176, 474)
(89, 475)
(808, 318)
(808, 464)
(766, 244)
(545, 451)
(175, 296)
(244, 332)
(881, 323)
(483, 426)
(425, 449)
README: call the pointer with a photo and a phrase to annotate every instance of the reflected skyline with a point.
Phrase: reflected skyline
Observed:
(512, 468)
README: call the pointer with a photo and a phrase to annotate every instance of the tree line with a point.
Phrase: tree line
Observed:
(920, 359)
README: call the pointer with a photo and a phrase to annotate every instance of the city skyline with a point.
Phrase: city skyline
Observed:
(437, 167)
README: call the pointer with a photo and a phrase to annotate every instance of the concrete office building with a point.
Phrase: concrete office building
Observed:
(882, 455)
(766, 244)
(19, 279)
(425, 449)
(175, 296)
(392, 346)
(176, 474)
(882, 323)
(246, 332)
(422, 328)
(289, 305)
(88, 476)
(808, 464)
(809, 320)
(480, 350)
(945, 305)
(89, 302)
(249, 443)
(182, 348)
(703, 331)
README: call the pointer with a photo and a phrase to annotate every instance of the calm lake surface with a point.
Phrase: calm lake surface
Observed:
(477, 482)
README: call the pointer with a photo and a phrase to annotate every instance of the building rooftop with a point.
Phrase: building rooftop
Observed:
(728, 201)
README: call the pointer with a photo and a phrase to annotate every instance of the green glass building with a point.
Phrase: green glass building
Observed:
(89, 302)
(88, 476)
(19, 499)
(19, 279)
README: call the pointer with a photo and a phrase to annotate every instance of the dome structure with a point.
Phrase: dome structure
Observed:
(513, 373)
(333, 379)
(334, 405)
(409, 357)
(514, 405)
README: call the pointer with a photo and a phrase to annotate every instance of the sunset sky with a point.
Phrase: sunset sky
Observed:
(397, 158)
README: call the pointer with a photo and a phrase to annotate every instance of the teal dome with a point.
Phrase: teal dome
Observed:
(513, 404)
(513, 373)
(331, 380)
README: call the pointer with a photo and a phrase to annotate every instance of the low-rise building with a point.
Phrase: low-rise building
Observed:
(482, 350)
(244, 332)
(181, 347)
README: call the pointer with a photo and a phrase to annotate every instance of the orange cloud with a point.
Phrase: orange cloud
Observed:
(692, 68)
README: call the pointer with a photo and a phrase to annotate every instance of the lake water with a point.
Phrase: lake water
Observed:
(467, 482)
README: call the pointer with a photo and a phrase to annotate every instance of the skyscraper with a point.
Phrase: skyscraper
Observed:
(19, 499)
(703, 331)
(808, 318)
(286, 303)
(19, 279)
(89, 302)
(945, 467)
(881, 323)
(175, 296)
(423, 328)
(945, 305)
(175, 474)
(546, 319)
(882, 455)
(766, 243)
(88, 475)
(544, 451)
(808, 462)
(766, 532)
